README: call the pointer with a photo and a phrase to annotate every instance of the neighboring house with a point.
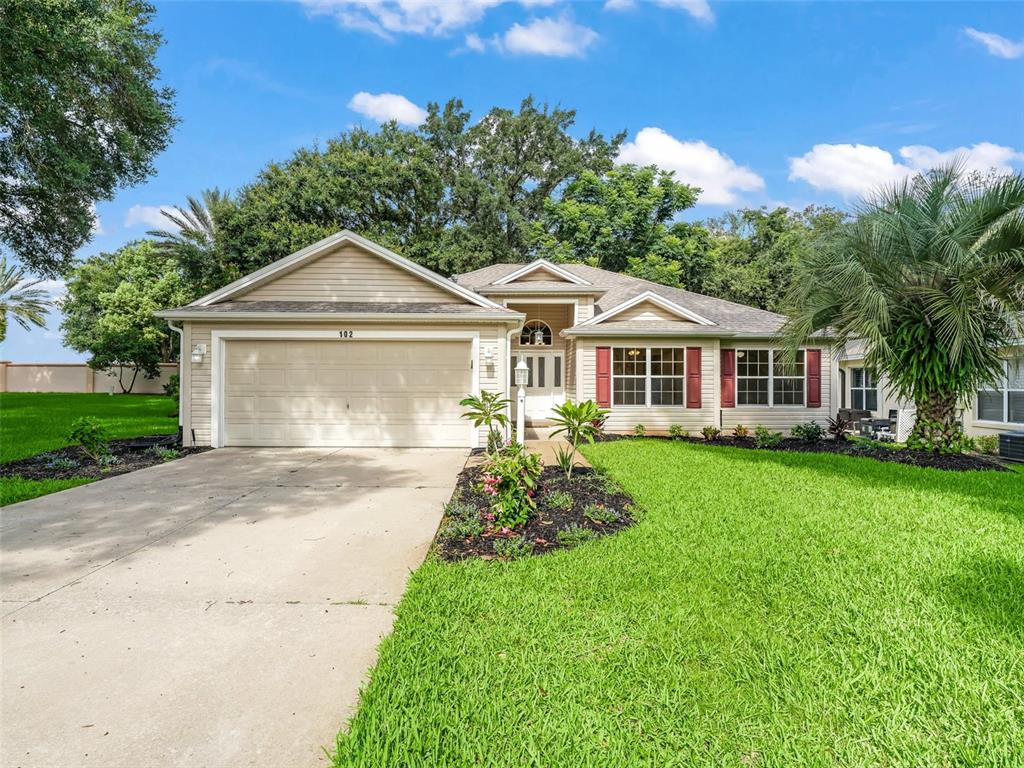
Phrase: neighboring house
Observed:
(347, 343)
(990, 411)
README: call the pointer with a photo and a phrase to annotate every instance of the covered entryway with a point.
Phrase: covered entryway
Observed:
(346, 392)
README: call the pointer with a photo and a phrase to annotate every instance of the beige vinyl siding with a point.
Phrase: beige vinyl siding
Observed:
(197, 380)
(781, 418)
(540, 275)
(657, 419)
(350, 273)
(646, 312)
(586, 308)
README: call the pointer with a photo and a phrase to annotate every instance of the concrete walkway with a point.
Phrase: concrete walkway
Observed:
(217, 611)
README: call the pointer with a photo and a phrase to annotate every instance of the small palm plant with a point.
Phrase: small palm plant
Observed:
(488, 410)
(578, 422)
(20, 299)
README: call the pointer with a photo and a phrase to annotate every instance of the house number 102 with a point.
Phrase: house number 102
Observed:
(346, 334)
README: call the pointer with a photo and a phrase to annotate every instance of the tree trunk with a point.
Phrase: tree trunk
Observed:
(936, 427)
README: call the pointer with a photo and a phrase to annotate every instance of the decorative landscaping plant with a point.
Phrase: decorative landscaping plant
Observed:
(510, 479)
(564, 512)
(765, 438)
(578, 422)
(639, 431)
(838, 428)
(487, 410)
(710, 433)
(740, 432)
(91, 436)
(809, 433)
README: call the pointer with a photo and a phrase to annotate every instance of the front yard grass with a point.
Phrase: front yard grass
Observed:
(36, 422)
(769, 609)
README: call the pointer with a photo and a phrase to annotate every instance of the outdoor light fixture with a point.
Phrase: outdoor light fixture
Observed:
(197, 353)
(538, 337)
(522, 373)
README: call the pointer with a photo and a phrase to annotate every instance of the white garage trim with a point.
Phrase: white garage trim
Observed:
(218, 356)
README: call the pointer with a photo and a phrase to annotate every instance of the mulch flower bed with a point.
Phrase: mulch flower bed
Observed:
(961, 462)
(65, 463)
(586, 488)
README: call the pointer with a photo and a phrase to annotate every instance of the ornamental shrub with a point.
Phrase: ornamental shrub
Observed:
(510, 478)
(94, 439)
(765, 438)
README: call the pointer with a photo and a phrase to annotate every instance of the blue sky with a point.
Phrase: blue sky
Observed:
(759, 103)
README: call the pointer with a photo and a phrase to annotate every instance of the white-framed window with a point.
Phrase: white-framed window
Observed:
(753, 376)
(651, 376)
(1006, 403)
(762, 378)
(535, 333)
(863, 390)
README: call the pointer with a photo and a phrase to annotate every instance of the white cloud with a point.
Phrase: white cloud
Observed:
(694, 162)
(418, 17)
(858, 169)
(548, 37)
(997, 45)
(698, 9)
(148, 215)
(475, 43)
(97, 225)
(383, 107)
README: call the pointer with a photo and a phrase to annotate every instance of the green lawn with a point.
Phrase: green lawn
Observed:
(769, 609)
(32, 422)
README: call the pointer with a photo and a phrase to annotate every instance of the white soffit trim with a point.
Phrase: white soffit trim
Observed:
(653, 298)
(317, 249)
(546, 265)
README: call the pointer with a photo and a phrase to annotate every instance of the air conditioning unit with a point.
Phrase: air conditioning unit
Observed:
(1011, 446)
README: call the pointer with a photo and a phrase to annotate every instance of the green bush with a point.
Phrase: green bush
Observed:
(559, 500)
(173, 386)
(987, 444)
(513, 548)
(740, 431)
(510, 477)
(462, 521)
(574, 535)
(599, 513)
(809, 433)
(765, 438)
(165, 454)
(676, 431)
(710, 433)
(639, 430)
(92, 436)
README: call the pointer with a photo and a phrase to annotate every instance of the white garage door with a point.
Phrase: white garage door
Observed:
(346, 393)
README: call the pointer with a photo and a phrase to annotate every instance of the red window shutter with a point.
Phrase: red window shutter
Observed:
(693, 377)
(604, 376)
(813, 361)
(728, 378)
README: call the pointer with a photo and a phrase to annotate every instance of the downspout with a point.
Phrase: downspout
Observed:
(181, 362)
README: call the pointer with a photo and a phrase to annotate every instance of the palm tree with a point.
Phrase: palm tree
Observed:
(27, 304)
(193, 240)
(931, 276)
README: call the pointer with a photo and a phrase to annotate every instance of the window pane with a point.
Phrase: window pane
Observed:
(871, 397)
(858, 378)
(1016, 406)
(796, 368)
(629, 361)
(752, 362)
(629, 391)
(1015, 376)
(788, 391)
(558, 372)
(529, 366)
(752, 391)
(540, 371)
(667, 391)
(857, 396)
(990, 405)
(667, 362)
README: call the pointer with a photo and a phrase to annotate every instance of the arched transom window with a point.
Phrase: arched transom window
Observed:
(536, 333)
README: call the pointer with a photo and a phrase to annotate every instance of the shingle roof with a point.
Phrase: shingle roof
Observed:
(728, 316)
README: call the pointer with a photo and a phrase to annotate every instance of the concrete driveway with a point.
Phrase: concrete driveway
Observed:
(220, 610)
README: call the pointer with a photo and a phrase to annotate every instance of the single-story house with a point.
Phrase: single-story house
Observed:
(990, 412)
(346, 343)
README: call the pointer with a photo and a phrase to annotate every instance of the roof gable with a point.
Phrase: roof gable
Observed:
(648, 307)
(345, 267)
(541, 270)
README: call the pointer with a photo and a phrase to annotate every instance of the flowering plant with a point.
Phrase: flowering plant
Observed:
(510, 479)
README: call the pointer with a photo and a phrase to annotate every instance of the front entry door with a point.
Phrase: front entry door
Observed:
(545, 387)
